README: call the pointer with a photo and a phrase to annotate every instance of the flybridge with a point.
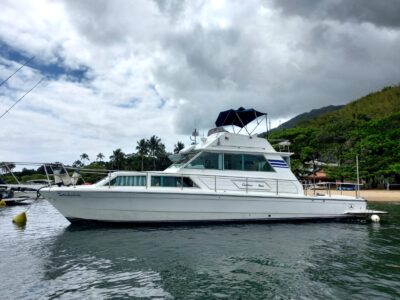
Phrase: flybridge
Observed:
(240, 117)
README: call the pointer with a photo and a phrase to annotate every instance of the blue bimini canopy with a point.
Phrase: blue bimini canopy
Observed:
(240, 117)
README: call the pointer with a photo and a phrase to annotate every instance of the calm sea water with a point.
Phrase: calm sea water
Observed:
(50, 259)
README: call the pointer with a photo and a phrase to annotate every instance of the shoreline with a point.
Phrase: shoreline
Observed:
(374, 195)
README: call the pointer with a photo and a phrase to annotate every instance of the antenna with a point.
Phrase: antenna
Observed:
(195, 134)
(5, 80)
(15, 103)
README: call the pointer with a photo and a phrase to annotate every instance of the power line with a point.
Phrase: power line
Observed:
(15, 103)
(5, 80)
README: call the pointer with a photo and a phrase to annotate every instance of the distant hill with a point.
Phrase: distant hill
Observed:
(308, 116)
(368, 127)
(373, 106)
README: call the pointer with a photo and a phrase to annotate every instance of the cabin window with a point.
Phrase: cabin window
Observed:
(128, 181)
(233, 161)
(229, 161)
(207, 160)
(246, 162)
(183, 159)
(256, 163)
(286, 159)
(172, 181)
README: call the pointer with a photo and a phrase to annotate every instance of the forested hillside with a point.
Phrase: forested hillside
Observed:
(368, 127)
(304, 117)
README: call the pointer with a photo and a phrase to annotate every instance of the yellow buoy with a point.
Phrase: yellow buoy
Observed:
(2, 203)
(20, 219)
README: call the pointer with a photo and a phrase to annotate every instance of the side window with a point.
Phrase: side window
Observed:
(206, 160)
(251, 162)
(287, 160)
(171, 181)
(129, 181)
(187, 182)
(256, 163)
(155, 180)
(233, 161)
(246, 162)
(229, 161)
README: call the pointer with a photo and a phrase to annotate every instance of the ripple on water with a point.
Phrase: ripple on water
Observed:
(48, 259)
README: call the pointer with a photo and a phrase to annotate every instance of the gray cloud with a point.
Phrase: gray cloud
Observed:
(208, 58)
(279, 65)
(173, 9)
(187, 61)
(203, 59)
(380, 13)
(119, 23)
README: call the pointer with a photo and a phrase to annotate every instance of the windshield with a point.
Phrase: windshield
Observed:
(182, 159)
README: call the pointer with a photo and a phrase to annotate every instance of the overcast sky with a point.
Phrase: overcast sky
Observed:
(118, 71)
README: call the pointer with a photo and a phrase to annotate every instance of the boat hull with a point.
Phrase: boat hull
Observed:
(159, 207)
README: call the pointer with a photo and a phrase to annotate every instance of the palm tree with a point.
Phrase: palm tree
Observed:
(100, 157)
(117, 158)
(178, 147)
(84, 157)
(77, 164)
(7, 167)
(154, 147)
(143, 149)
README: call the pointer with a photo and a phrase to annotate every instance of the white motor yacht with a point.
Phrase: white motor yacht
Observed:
(225, 177)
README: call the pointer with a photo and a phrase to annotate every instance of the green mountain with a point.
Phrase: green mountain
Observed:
(374, 106)
(304, 117)
(368, 127)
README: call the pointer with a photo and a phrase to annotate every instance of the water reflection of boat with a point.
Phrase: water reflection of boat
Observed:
(188, 262)
(225, 177)
(111, 271)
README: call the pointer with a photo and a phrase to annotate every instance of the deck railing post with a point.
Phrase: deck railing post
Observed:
(215, 183)
(277, 187)
(247, 185)
(12, 174)
(109, 179)
(47, 174)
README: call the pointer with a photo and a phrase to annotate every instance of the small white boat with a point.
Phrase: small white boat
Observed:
(28, 189)
(8, 196)
(225, 177)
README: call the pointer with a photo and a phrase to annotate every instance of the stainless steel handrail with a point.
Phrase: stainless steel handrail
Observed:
(218, 186)
(327, 187)
(216, 178)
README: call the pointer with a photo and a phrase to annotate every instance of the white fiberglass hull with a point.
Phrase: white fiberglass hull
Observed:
(181, 206)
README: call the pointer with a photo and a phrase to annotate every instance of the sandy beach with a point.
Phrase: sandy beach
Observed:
(375, 195)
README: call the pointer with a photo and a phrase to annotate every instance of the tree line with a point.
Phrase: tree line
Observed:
(375, 142)
(150, 155)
